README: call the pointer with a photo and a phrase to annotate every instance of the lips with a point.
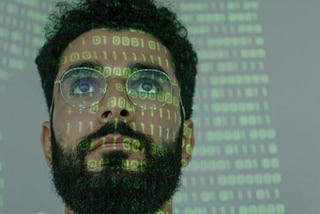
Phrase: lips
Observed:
(113, 141)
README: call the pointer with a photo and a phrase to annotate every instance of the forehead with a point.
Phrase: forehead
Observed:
(116, 50)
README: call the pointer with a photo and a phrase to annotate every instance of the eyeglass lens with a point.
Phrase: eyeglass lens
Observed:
(147, 88)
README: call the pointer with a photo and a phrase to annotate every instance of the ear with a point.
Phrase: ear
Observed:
(187, 142)
(45, 139)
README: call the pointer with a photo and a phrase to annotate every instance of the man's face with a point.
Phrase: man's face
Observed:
(115, 156)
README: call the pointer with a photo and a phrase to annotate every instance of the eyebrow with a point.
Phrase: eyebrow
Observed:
(132, 66)
(88, 64)
(142, 65)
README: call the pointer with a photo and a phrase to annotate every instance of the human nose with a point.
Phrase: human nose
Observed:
(115, 104)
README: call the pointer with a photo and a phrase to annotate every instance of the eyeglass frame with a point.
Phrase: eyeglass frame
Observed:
(106, 86)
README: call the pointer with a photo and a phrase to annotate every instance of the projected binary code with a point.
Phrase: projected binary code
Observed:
(20, 32)
(236, 168)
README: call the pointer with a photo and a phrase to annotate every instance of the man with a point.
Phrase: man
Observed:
(118, 78)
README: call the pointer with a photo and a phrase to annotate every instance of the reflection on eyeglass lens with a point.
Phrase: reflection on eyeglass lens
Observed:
(147, 88)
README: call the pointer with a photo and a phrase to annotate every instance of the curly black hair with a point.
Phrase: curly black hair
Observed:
(71, 20)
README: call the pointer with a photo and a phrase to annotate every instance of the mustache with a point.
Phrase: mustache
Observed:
(122, 128)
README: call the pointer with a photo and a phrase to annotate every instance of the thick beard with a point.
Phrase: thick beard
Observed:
(114, 189)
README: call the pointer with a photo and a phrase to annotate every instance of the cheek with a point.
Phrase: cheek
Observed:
(161, 124)
(73, 124)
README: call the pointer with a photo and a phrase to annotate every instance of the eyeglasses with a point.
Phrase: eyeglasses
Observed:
(83, 87)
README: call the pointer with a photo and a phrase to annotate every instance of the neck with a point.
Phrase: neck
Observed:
(166, 209)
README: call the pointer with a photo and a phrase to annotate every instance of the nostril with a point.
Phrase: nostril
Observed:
(124, 113)
(106, 114)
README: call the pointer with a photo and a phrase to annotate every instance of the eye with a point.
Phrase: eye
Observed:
(146, 85)
(82, 86)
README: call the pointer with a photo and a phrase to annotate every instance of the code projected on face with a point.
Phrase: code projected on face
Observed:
(235, 167)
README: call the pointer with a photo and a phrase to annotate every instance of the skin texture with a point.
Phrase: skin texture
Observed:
(114, 51)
